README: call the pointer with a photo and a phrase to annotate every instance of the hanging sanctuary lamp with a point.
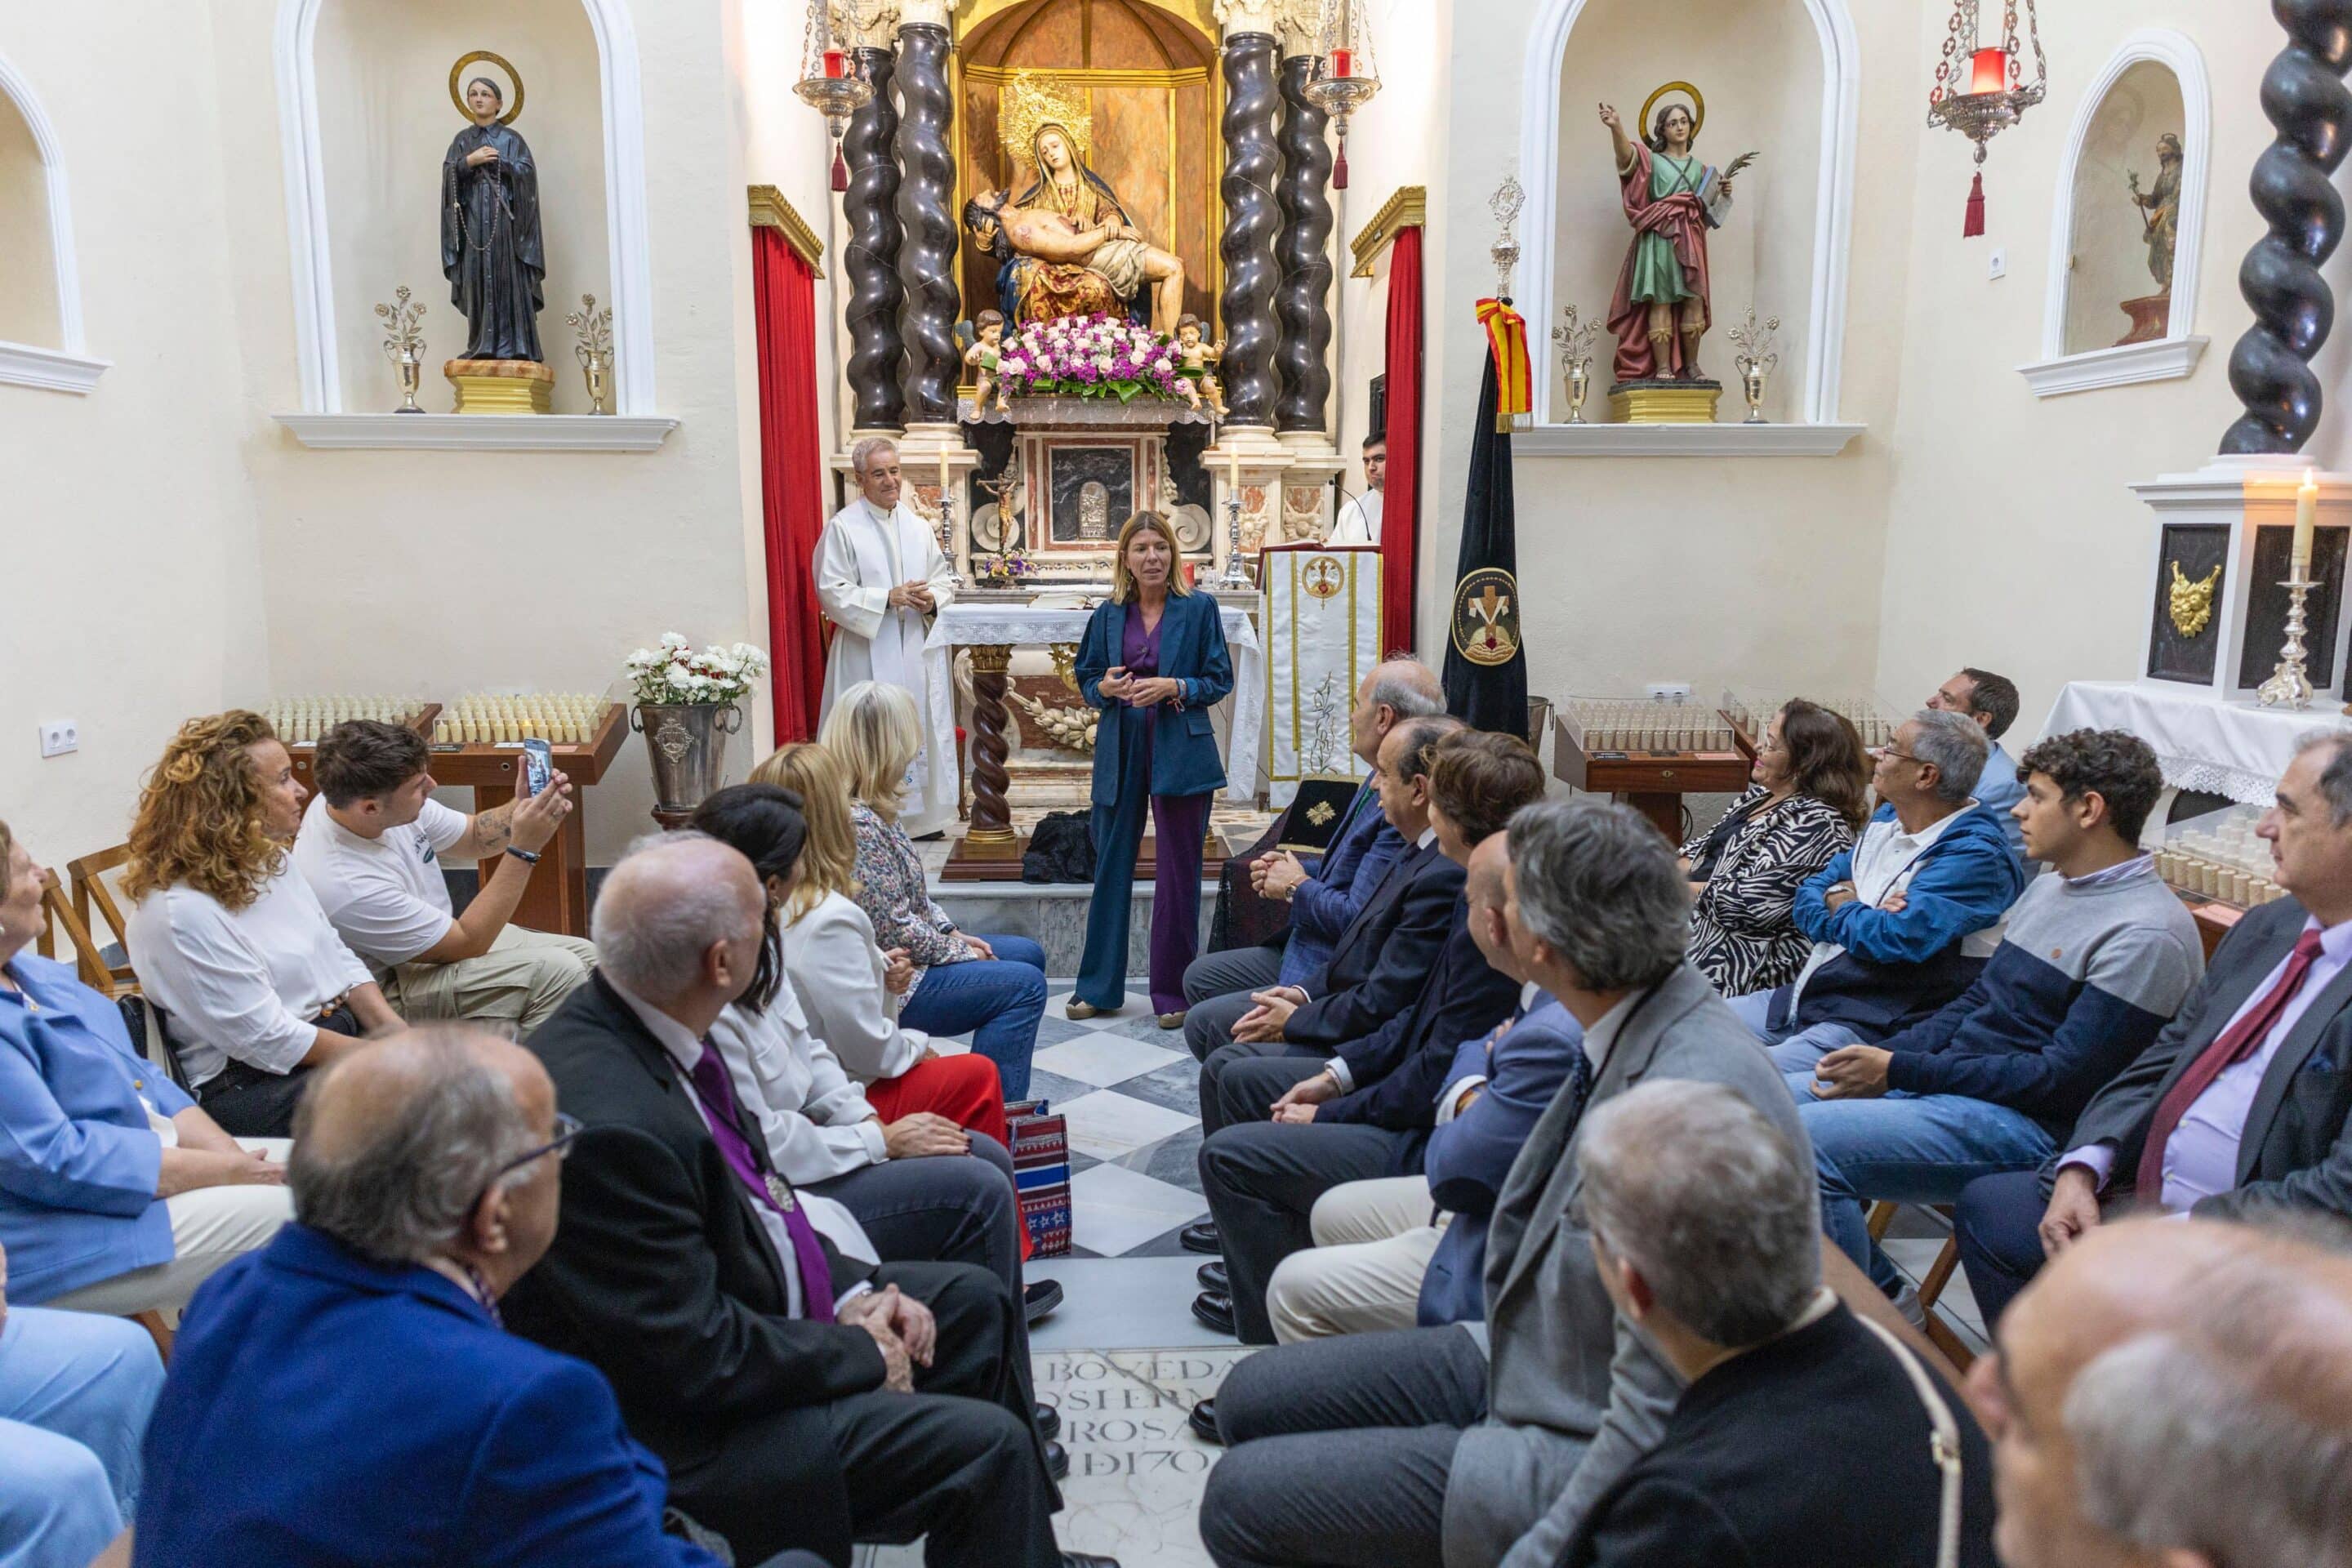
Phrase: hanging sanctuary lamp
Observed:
(1997, 93)
(830, 81)
(1345, 77)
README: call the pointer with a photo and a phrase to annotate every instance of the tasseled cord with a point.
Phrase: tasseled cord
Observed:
(1339, 169)
(841, 170)
(1975, 224)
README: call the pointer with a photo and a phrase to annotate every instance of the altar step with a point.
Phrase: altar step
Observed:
(1054, 915)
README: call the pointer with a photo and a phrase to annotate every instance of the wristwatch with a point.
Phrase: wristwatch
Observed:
(527, 857)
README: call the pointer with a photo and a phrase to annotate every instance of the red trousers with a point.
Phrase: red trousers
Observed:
(963, 1089)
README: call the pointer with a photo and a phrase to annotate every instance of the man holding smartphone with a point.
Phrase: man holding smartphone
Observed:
(371, 847)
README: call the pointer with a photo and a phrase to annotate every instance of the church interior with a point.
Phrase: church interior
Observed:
(1636, 379)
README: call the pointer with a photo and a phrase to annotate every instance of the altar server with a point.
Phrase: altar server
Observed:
(880, 578)
(1360, 520)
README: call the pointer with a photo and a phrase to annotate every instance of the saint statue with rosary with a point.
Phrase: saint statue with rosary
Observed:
(491, 249)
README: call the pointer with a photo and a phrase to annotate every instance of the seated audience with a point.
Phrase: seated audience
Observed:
(117, 1193)
(1991, 701)
(1288, 1132)
(848, 989)
(349, 1395)
(256, 988)
(918, 1188)
(2176, 1397)
(372, 848)
(1362, 849)
(1404, 1449)
(993, 988)
(2244, 1104)
(2095, 959)
(1902, 924)
(1802, 811)
(76, 1389)
(799, 1398)
(1803, 1434)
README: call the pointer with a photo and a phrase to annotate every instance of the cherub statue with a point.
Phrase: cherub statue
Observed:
(1197, 356)
(982, 357)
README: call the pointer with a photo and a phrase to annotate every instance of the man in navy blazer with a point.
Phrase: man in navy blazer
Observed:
(347, 1394)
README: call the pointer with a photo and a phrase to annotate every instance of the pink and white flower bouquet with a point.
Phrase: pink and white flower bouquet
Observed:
(1088, 356)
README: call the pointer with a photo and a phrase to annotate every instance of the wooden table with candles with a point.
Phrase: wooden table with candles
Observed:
(1648, 766)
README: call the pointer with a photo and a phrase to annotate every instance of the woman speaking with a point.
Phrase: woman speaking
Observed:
(1154, 661)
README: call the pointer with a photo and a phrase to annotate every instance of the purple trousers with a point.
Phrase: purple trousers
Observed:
(1179, 823)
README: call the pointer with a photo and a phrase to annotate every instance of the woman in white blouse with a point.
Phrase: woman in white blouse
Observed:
(228, 938)
(921, 1186)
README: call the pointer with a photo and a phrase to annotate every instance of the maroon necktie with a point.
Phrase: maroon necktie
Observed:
(717, 1095)
(2240, 1040)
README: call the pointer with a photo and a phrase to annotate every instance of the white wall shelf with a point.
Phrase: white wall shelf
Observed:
(2160, 359)
(1682, 440)
(478, 432)
(53, 370)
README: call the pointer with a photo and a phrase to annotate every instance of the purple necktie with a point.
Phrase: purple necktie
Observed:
(719, 1097)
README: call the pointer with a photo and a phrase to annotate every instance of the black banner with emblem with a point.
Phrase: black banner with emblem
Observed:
(1485, 661)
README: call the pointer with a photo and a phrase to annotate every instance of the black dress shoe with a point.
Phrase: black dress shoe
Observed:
(1038, 1299)
(1049, 1421)
(1214, 1309)
(1205, 1422)
(1213, 1277)
(1081, 1560)
(1057, 1461)
(1201, 1237)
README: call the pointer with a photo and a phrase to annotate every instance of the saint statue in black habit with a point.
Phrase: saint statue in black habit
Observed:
(491, 250)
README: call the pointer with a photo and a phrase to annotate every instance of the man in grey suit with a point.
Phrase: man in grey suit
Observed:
(1473, 1444)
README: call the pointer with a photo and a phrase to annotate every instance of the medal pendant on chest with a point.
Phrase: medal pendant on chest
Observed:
(780, 1194)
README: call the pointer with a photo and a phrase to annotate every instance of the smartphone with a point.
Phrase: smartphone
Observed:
(538, 764)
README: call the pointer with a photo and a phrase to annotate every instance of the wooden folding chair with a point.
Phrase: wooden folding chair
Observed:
(1939, 1329)
(90, 888)
(95, 972)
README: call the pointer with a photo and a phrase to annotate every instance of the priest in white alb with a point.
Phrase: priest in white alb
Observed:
(880, 578)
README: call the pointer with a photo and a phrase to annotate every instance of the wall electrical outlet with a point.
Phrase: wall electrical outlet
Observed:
(58, 738)
(1669, 690)
(1997, 264)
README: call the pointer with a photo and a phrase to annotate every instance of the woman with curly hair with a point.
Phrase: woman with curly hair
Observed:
(228, 938)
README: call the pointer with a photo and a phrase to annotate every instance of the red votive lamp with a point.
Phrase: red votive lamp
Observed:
(837, 63)
(1989, 71)
(1343, 62)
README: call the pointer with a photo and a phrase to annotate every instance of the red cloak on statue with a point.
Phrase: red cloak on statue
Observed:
(1681, 221)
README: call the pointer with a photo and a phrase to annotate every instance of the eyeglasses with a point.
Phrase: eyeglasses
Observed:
(567, 1127)
(1902, 756)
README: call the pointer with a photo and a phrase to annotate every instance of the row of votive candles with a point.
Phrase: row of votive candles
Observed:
(1609, 725)
(563, 719)
(2195, 873)
(301, 720)
(1872, 722)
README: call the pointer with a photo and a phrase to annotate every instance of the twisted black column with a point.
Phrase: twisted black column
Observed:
(1252, 217)
(927, 262)
(870, 256)
(1302, 298)
(2293, 310)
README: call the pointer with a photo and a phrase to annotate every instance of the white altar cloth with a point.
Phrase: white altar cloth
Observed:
(2236, 749)
(963, 625)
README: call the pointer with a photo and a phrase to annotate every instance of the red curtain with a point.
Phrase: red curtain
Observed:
(783, 289)
(1401, 514)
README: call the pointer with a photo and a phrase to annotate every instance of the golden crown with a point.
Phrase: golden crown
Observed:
(1031, 102)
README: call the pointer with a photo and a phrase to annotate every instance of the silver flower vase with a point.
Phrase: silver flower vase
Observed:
(687, 744)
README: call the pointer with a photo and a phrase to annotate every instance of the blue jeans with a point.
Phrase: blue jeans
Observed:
(997, 1002)
(75, 1393)
(1793, 1051)
(1920, 1149)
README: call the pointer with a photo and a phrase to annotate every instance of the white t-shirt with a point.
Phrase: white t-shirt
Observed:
(1359, 520)
(384, 894)
(243, 984)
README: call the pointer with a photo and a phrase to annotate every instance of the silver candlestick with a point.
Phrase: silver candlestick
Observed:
(1235, 578)
(947, 537)
(2288, 687)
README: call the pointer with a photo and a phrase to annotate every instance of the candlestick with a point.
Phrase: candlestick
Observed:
(2306, 518)
(1235, 577)
(947, 538)
(2288, 687)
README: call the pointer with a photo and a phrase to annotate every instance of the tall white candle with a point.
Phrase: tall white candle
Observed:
(2306, 518)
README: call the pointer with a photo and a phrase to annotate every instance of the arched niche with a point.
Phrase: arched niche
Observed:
(40, 295)
(1781, 77)
(366, 118)
(2106, 319)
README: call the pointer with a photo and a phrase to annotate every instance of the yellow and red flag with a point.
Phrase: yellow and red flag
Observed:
(1507, 338)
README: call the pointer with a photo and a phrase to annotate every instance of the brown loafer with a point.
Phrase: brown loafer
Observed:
(1080, 1010)
(1172, 1020)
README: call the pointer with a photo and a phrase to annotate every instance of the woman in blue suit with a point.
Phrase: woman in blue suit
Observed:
(1154, 662)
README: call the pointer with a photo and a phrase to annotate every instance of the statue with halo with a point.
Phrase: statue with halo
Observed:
(492, 250)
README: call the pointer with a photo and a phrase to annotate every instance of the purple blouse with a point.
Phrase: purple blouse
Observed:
(1140, 649)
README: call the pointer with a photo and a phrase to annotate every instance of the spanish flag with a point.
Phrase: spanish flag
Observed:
(1506, 337)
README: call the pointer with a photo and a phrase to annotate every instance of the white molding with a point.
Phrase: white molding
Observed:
(2179, 54)
(2158, 359)
(478, 432)
(1832, 205)
(1682, 440)
(629, 250)
(69, 355)
(54, 369)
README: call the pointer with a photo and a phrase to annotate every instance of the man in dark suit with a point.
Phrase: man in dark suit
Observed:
(1707, 1228)
(1275, 1152)
(2244, 1102)
(799, 1398)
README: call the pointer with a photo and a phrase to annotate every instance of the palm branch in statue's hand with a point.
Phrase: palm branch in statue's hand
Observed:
(1740, 162)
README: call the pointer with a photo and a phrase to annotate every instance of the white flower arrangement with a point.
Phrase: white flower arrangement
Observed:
(671, 672)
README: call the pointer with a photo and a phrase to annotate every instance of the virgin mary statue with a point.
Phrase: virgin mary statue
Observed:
(491, 247)
(1067, 241)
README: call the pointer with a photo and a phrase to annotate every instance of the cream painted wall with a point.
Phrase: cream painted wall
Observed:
(28, 274)
(135, 593)
(2109, 248)
(384, 124)
(2011, 540)
(1760, 68)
